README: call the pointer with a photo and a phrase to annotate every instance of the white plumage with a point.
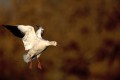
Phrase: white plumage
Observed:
(33, 41)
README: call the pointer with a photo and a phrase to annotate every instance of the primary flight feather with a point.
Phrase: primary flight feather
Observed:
(33, 41)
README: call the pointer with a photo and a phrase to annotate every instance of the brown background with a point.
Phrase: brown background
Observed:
(87, 30)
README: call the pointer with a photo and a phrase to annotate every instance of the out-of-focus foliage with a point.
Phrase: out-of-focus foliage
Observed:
(87, 30)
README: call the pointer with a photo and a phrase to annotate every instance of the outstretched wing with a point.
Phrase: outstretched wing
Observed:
(30, 37)
(26, 32)
(39, 32)
(15, 30)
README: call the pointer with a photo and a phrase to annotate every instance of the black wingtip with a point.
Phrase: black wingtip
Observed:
(14, 30)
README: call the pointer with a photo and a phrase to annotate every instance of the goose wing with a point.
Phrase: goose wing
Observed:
(30, 38)
(39, 32)
(26, 32)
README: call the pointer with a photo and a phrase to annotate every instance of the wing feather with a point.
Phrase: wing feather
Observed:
(30, 37)
(14, 30)
(39, 32)
(26, 32)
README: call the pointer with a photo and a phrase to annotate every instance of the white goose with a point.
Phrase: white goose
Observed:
(33, 42)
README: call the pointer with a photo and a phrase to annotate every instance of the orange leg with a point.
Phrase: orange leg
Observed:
(39, 65)
(30, 64)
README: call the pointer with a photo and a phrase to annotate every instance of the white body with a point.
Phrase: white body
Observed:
(37, 48)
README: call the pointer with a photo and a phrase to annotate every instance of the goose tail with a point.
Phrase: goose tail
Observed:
(26, 58)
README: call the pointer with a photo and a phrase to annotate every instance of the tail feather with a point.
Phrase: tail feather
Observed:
(26, 58)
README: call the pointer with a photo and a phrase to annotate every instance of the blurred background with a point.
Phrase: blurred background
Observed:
(88, 32)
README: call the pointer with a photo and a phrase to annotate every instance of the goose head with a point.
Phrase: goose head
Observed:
(53, 43)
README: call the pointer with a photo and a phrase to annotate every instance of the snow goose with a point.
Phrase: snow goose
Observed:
(33, 41)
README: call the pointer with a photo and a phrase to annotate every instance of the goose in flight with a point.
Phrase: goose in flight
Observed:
(33, 41)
